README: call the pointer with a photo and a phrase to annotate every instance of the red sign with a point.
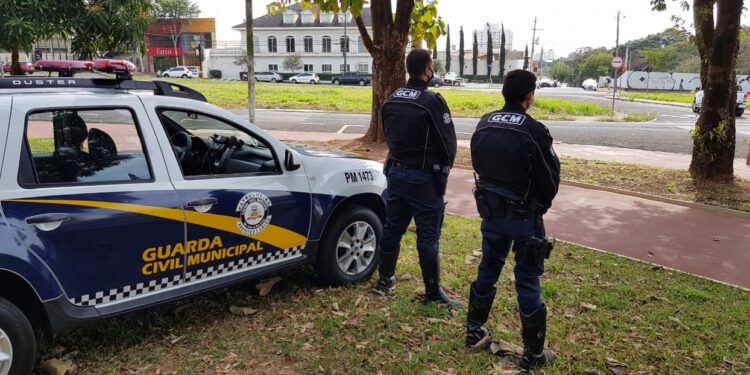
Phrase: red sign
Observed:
(164, 51)
(617, 62)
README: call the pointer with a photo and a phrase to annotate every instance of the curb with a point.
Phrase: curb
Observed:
(698, 206)
(646, 101)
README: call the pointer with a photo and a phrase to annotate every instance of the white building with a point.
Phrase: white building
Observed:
(496, 32)
(320, 38)
(513, 60)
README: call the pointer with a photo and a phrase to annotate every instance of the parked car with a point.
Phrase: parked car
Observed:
(26, 67)
(590, 84)
(741, 101)
(307, 77)
(132, 194)
(436, 82)
(546, 82)
(351, 78)
(196, 71)
(268, 77)
(178, 72)
(452, 78)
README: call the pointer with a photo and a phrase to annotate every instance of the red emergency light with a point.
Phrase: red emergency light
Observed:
(119, 67)
(63, 65)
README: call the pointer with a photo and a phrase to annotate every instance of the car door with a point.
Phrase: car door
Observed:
(245, 214)
(85, 188)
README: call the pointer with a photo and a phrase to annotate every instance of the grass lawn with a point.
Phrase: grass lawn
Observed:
(463, 103)
(662, 96)
(653, 320)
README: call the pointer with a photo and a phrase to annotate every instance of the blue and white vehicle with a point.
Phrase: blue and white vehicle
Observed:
(118, 195)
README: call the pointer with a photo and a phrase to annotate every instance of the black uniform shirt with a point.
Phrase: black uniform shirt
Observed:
(512, 154)
(418, 127)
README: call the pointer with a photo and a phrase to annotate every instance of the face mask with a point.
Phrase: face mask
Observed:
(431, 76)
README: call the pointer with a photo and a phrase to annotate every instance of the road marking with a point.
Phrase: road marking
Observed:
(312, 123)
(462, 133)
(343, 128)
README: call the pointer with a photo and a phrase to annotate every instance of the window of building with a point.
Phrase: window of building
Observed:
(361, 46)
(290, 44)
(308, 67)
(344, 68)
(290, 17)
(345, 17)
(327, 68)
(272, 44)
(344, 41)
(256, 44)
(307, 17)
(84, 146)
(326, 17)
(308, 44)
(363, 68)
(326, 44)
(273, 67)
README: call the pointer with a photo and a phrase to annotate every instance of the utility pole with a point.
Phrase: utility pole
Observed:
(250, 45)
(346, 45)
(617, 53)
(533, 43)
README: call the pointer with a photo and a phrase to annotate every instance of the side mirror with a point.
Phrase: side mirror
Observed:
(697, 89)
(289, 163)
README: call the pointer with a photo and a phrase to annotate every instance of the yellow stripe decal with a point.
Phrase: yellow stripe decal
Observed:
(276, 236)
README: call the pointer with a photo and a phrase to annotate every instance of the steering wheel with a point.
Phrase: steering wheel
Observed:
(181, 151)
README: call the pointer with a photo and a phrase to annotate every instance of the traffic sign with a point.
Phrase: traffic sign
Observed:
(617, 62)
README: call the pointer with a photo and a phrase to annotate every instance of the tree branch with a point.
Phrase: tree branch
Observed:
(404, 8)
(382, 20)
(703, 17)
(366, 39)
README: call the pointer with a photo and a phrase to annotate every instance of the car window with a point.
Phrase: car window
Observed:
(215, 147)
(83, 146)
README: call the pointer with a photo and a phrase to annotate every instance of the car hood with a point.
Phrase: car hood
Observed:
(322, 152)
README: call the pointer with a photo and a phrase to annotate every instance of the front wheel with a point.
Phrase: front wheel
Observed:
(350, 247)
(17, 341)
(184, 76)
(294, 81)
(336, 82)
(696, 109)
(362, 83)
(273, 80)
(436, 85)
(739, 112)
(312, 82)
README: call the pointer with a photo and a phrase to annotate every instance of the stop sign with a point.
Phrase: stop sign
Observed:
(617, 62)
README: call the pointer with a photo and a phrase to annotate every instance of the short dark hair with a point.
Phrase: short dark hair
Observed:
(517, 85)
(417, 61)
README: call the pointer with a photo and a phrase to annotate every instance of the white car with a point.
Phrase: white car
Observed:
(452, 78)
(178, 72)
(268, 77)
(590, 84)
(307, 77)
(741, 101)
(118, 195)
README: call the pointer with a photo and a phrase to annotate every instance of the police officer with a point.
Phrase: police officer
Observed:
(519, 174)
(422, 146)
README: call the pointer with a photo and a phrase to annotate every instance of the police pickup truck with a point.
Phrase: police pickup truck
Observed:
(117, 195)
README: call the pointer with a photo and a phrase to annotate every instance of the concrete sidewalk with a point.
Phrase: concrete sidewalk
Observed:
(710, 244)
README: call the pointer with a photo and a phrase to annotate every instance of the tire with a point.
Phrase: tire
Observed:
(362, 83)
(294, 81)
(336, 82)
(184, 76)
(17, 339)
(436, 85)
(330, 253)
(739, 111)
(273, 80)
(165, 75)
(312, 82)
(696, 109)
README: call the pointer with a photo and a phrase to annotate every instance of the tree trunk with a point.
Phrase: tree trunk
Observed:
(714, 133)
(250, 44)
(388, 75)
(15, 67)
(387, 47)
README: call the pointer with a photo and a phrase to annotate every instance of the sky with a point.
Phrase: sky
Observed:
(565, 24)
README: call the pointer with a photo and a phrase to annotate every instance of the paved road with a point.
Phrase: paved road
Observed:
(667, 134)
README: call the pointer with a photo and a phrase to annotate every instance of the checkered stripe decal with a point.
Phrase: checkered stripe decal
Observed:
(128, 291)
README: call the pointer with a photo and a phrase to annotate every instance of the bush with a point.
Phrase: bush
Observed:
(213, 73)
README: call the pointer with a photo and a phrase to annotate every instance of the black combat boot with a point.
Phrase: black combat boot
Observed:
(387, 270)
(432, 290)
(479, 309)
(534, 330)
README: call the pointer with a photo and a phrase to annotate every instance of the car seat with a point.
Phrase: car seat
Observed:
(101, 145)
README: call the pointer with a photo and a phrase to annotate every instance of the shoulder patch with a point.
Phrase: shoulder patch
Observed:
(446, 118)
(507, 118)
(407, 94)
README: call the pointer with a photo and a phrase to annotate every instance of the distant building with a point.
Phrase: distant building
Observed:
(320, 38)
(513, 60)
(496, 33)
(194, 37)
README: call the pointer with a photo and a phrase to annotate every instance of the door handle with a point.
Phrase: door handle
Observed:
(47, 222)
(202, 204)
